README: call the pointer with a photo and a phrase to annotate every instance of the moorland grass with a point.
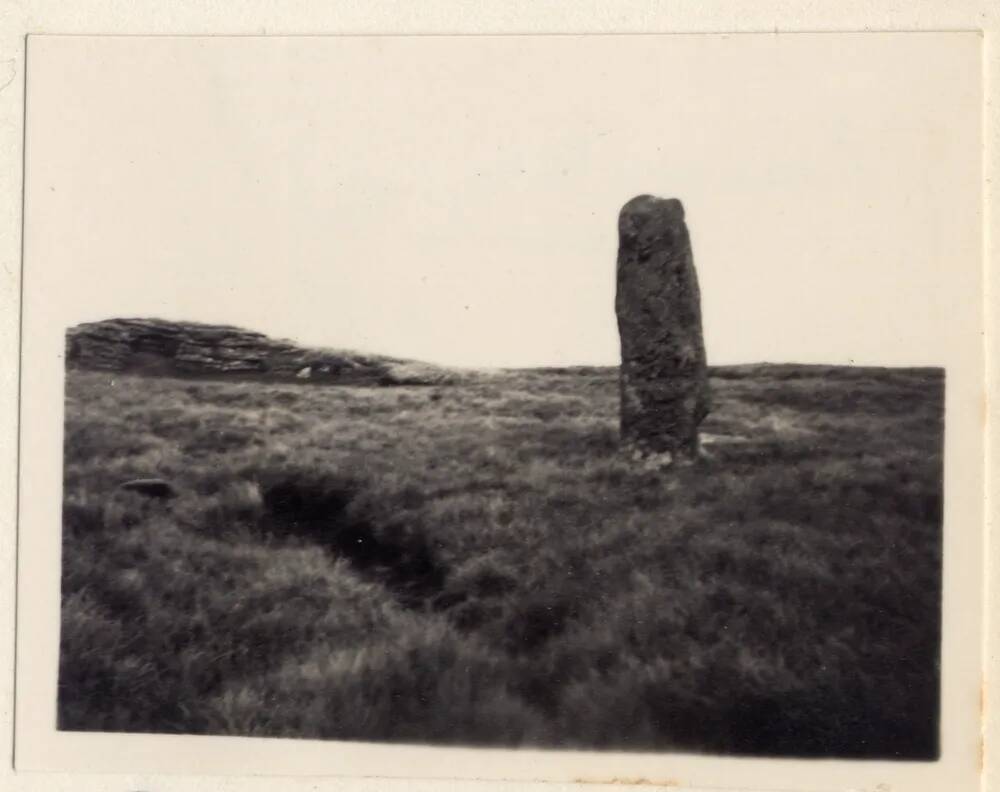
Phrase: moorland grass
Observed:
(478, 564)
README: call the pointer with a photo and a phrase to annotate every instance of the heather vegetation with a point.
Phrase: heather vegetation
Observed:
(479, 564)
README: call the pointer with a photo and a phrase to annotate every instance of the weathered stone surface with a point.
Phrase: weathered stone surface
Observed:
(156, 346)
(663, 377)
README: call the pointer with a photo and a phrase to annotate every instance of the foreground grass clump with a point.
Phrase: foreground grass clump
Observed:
(478, 564)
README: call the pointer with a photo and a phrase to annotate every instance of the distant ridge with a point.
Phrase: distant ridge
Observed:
(193, 349)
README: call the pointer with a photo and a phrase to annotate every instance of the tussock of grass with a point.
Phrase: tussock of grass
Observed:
(478, 564)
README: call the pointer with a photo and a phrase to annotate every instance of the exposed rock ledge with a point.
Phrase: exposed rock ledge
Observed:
(169, 348)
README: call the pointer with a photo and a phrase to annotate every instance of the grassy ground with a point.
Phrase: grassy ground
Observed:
(477, 564)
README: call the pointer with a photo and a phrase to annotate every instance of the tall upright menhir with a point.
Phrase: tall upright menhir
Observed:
(663, 377)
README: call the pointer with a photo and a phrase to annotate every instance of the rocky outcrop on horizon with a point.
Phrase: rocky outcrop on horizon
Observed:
(174, 348)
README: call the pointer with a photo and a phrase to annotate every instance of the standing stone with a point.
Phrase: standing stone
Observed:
(663, 377)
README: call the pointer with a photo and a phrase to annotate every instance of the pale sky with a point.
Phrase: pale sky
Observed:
(456, 200)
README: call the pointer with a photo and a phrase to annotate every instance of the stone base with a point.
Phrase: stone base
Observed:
(651, 461)
(655, 461)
